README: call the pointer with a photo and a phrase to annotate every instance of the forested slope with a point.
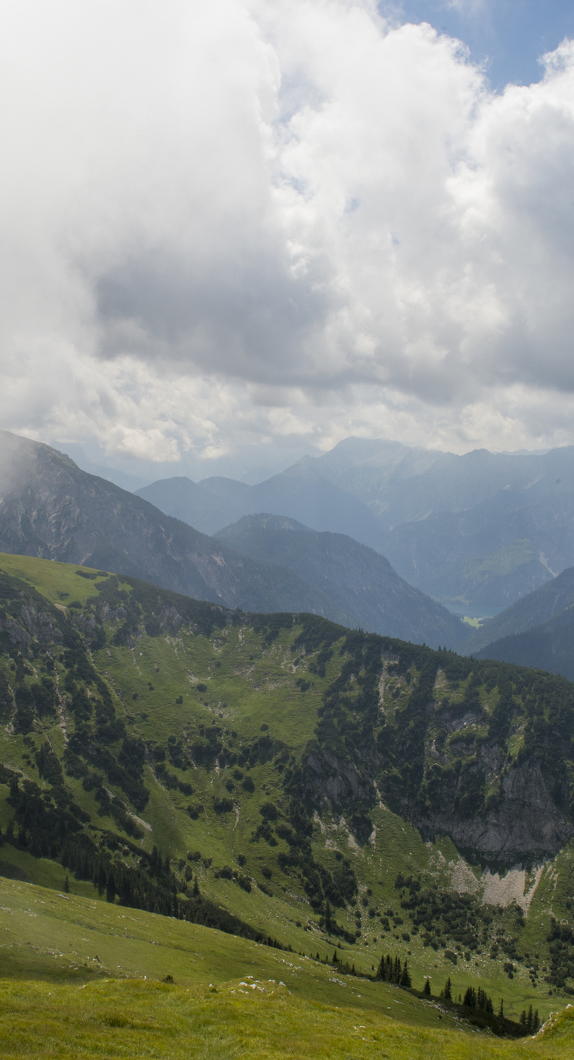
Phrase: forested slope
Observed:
(280, 776)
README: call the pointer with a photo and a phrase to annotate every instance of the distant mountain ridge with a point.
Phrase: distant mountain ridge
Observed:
(364, 588)
(479, 530)
(51, 509)
(384, 475)
(300, 493)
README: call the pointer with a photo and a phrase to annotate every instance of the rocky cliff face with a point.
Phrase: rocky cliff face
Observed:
(526, 823)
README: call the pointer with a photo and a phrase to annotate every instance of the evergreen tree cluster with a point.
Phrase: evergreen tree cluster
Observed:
(477, 999)
(561, 949)
(443, 916)
(50, 824)
(391, 970)
(324, 888)
(477, 1008)
(151, 884)
(530, 1020)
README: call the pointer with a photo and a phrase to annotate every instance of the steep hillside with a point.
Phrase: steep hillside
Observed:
(300, 779)
(363, 587)
(549, 646)
(537, 608)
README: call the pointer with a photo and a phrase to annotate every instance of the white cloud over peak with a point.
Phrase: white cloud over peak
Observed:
(231, 222)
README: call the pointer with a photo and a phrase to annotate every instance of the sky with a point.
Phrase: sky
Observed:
(236, 231)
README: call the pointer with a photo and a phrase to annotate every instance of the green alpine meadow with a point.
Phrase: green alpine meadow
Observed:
(234, 834)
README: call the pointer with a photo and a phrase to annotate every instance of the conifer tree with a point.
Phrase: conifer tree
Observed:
(426, 988)
(446, 992)
(100, 878)
(111, 888)
(405, 979)
(470, 997)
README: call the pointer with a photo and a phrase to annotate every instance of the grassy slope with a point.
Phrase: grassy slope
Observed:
(230, 998)
(248, 686)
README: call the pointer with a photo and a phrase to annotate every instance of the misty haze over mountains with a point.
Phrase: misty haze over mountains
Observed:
(326, 536)
(476, 532)
(51, 509)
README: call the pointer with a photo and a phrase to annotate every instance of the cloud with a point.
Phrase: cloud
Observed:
(245, 221)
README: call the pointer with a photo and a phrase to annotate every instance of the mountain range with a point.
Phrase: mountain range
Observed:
(51, 509)
(476, 532)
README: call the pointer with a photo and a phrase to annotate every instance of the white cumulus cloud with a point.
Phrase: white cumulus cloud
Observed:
(249, 221)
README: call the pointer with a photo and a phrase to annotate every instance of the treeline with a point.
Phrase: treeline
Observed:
(475, 1006)
(391, 971)
(153, 886)
(50, 825)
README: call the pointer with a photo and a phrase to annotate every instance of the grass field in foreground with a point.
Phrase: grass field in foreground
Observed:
(149, 1019)
(83, 979)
